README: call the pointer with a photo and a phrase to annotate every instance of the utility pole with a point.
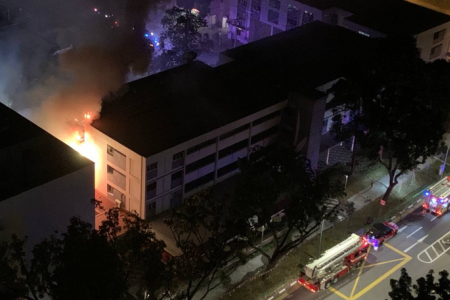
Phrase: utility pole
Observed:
(445, 162)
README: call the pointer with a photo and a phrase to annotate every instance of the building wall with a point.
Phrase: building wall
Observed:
(119, 172)
(38, 212)
(434, 43)
(252, 20)
(207, 159)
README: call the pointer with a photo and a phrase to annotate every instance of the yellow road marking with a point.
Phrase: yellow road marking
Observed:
(338, 293)
(359, 273)
(384, 262)
(387, 274)
(398, 251)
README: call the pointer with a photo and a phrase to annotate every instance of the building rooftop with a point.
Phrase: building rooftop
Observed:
(386, 16)
(163, 110)
(30, 157)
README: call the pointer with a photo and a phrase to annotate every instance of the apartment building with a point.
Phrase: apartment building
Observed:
(251, 20)
(43, 182)
(166, 136)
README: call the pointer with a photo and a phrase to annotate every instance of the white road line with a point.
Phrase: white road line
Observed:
(280, 292)
(443, 248)
(293, 283)
(419, 200)
(409, 248)
(413, 232)
(426, 250)
(401, 229)
(433, 219)
(435, 250)
(419, 241)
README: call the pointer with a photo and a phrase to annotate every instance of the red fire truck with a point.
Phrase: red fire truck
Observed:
(334, 263)
(436, 198)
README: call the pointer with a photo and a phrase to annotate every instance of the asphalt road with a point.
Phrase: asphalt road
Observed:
(417, 247)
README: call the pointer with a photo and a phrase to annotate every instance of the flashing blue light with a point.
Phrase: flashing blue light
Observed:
(427, 193)
(151, 33)
(146, 35)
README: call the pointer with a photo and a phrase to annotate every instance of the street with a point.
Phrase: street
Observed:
(417, 247)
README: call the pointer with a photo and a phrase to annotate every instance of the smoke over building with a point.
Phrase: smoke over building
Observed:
(102, 42)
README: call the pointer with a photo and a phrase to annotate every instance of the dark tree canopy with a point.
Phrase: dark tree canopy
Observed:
(180, 36)
(84, 263)
(395, 105)
(203, 231)
(273, 179)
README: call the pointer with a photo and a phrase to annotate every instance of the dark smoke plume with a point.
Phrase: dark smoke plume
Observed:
(53, 88)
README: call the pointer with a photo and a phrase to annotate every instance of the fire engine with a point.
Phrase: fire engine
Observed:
(334, 263)
(436, 197)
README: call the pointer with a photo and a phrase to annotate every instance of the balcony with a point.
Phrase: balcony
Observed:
(237, 23)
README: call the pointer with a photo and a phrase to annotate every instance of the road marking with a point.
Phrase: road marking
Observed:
(435, 250)
(384, 262)
(359, 273)
(338, 293)
(419, 200)
(419, 241)
(406, 259)
(425, 251)
(401, 229)
(413, 232)
(290, 291)
(293, 283)
(433, 219)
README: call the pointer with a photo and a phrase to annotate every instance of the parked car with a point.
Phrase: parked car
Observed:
(380, 232)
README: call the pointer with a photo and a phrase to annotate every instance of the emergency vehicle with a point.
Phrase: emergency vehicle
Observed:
(334, 263)
(381, 232)
(436, 197)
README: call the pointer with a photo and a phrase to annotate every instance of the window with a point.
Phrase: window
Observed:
(274, 4)
(233, 148)
(307, 17)
(151, 190)
(227, 169)
(234, 132)
(178, 155)
(152, 170)
(256, 9)
(293, 15)
(242, 3)
(109, 189)
(265, 134)
(199, 182)
(178, 160)
(200, 163)
(110, 169)
(273, 16)
(110, 150)
(438, 36)
(266, 118)
(201, 146)
(436, 51)
(242, 19)
(177, 179)
(117, 158)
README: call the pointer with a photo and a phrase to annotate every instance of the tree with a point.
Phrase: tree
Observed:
(84, 263)
(202, 230)
(12, 286)
(425, 289)
(180, 36)
(272, 179)
(395, 105)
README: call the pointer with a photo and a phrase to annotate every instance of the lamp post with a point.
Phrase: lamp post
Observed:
(346, 179)
(321, 232)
